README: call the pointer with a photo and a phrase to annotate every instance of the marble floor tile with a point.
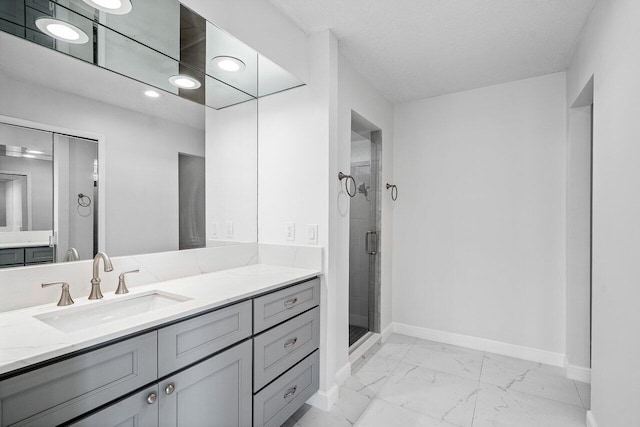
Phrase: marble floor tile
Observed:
(350, 404)
(400, 339)
(498, 407)
(529, 377)
(436, 394)
(384, 414)
(309, 416)
(370, 377)
(451, 359)
(393, 351)
(584, 390)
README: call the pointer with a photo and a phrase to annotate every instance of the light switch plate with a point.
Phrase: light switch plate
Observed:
(229, 229)
(312, 234)
(213, 230)
(290, 231)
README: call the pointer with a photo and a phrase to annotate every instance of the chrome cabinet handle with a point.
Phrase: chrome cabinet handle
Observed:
(290, 343)
(366, 243)
(170, 389)
(290, 392)
(151, 399)
(289, 303)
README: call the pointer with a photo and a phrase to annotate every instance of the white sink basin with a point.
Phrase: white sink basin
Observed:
(75, 319)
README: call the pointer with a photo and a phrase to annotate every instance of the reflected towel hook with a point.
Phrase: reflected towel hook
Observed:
(394, 191)
(342, 176)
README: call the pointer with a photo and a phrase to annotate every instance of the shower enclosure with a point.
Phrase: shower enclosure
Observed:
(364, 239)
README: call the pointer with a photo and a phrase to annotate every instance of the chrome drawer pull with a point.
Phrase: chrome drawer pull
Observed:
(291, 342)
(151, 399)
(288, 303)
(290, 392)
(170, 388)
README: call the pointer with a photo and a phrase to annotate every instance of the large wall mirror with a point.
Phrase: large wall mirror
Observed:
(129, 130)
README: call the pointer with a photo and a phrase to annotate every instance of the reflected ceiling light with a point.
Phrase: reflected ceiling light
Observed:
(228, 63)
(28, 156)
(152, 93)
(184, 82)
(61, 30)
(34, 151)
(115, 7)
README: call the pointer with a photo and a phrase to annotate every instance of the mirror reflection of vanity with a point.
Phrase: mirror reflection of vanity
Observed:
(104, 147)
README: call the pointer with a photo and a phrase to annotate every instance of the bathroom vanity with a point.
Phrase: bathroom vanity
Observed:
(235, 347)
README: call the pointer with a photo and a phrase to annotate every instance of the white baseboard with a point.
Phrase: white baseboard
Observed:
(577, 373)
(591, 421)
(483, 344)
(343, 373)
(325, 400)
(386, 333)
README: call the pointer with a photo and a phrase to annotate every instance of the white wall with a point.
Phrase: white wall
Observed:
(141, 161)
(608, 51)
(479, 222)
(579, 237)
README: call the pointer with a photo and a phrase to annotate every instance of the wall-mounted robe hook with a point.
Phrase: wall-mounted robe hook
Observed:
(342, 176)
(394, 191)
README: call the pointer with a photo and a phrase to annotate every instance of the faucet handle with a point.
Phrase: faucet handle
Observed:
(122, 286)
(65, 298)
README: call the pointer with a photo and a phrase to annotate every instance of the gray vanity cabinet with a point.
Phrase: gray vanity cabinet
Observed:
(140, 410)
(213, 393)
(63, 390)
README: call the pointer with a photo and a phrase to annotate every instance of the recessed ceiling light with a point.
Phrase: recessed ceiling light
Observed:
(184, 82)
(34, 151)
(61, 30)
(152, 93)
(229, 63)
(115, 7)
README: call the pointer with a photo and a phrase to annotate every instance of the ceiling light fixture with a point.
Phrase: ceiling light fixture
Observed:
(34, 151)
(229, 63)
(115, 7)
(184, 82)
(61, 30)
(152, 93)
(28, 156)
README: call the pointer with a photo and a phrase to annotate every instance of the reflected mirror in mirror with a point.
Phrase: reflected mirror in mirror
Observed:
(113, 95)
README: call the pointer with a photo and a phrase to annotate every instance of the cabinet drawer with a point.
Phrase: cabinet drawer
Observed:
(279, 400)
(186, 342)
(135, 410)
(11, 256)
(279, 306)
(64, 390)
(40, 254)
(278, 349)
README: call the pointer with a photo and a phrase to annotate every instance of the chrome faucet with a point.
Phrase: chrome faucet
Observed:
(95, 281)
(71, 255)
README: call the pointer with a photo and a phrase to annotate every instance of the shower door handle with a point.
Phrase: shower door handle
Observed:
(367, 240)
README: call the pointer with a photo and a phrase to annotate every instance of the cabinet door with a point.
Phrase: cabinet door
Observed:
(215, 392)
(139, 410)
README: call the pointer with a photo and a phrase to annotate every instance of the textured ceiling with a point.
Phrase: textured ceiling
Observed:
(413, 49)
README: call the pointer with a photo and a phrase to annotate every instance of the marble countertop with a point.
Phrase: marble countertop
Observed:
(23, 245)
(25, 340)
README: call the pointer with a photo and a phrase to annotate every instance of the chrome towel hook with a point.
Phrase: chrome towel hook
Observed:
(394, 191)
(342, 176)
